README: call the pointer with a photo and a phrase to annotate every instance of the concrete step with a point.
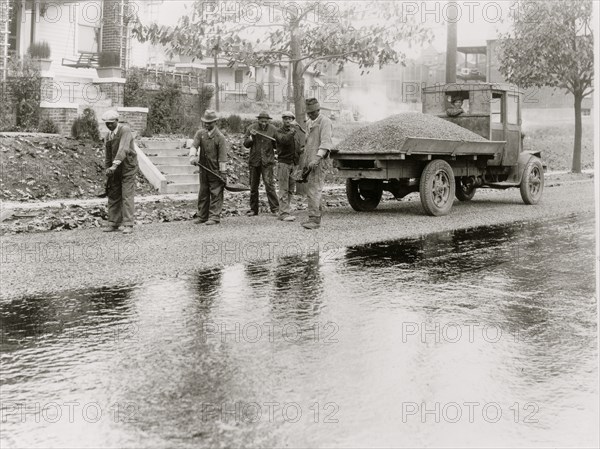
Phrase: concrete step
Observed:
(170, 152)
(183, 179)
(165, 160)
(178, 169)
(163, 144)
(183, 188)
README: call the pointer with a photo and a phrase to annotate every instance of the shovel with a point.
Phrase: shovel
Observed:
(228, 187)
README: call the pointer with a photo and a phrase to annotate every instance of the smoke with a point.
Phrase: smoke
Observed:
(372, 103)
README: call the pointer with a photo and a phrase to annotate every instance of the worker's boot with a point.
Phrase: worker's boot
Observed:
(312, 223)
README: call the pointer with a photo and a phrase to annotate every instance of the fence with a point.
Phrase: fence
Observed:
(152, 76)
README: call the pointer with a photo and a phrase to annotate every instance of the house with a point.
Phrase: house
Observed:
(76, 32)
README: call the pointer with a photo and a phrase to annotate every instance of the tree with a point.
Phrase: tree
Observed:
(301, 33)
(551, 44)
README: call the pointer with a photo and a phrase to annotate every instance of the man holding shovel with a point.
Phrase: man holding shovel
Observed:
(209, 150)
(121, 168)
(260, 139)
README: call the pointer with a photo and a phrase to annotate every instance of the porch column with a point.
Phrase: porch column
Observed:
(114, 28)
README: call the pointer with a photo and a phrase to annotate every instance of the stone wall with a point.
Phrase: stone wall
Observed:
(136, 118)
(113, 89)
(62, 114)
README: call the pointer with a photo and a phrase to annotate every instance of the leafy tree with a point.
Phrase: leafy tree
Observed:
(551, 44)
(302, 33)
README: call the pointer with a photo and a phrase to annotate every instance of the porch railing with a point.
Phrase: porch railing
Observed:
(153, 74)
(5, 14)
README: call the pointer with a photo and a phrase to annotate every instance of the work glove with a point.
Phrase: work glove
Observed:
(194, 160)
(110, 171)
(304, 175)
(314, 163)
(223, 175)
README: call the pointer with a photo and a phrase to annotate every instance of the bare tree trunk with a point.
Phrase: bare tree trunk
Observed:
(576, 167)
(216, 70)
(297, 78)
(298, 86)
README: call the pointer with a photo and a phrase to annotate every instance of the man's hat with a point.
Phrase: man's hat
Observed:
(209, 116)
(312, 104)
(288, 114)
(110, 116)
(264, 114)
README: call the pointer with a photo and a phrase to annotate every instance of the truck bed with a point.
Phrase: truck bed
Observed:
(426, 146)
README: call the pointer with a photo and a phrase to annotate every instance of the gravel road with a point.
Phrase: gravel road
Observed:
(49, 262)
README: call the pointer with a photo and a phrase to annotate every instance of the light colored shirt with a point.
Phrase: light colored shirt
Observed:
(319, 135)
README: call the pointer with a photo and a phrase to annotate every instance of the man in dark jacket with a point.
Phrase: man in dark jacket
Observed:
(210, 150)
(260, 138)
(290, 142)
(121, 168)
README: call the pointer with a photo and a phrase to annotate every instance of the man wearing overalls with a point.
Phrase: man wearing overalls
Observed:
(121, 169)
(317, 146)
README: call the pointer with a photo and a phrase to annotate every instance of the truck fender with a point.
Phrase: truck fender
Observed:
(516, 173)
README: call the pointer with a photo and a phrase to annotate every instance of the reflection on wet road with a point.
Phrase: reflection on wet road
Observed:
(475, 338)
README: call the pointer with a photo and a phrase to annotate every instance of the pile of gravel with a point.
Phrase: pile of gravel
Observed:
(390, 134)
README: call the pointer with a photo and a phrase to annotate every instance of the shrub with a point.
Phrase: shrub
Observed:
(109, 59)
(204, 98)
(24, 90)
(166, 110)
(86, 126)
(39, 50)
(7, 113)
(134, 94)
(47, 125)
(190, 126)
(234, 122)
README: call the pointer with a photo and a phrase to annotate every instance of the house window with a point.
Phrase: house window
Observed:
(89, 16)
(282, 71)
(239, 76)
(209, 71)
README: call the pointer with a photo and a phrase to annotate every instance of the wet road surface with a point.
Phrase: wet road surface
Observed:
(484, 337)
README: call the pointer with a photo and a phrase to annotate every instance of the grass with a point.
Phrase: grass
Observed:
(556, 144)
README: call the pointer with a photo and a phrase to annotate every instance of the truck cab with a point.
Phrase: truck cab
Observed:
(491, 110)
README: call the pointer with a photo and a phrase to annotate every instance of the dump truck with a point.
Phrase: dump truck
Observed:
(467, 137)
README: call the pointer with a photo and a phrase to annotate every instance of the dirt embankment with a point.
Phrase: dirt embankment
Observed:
(46, 167)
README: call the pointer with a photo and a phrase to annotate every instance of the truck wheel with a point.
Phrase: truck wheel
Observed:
(364, 194)
(436, 187)
(464, 191)
(532, 183)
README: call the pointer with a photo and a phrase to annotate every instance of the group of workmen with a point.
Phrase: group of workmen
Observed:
(298, 153)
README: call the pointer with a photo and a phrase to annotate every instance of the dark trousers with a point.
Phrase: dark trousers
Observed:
(210, 197)
(121, 190)
(266, 171)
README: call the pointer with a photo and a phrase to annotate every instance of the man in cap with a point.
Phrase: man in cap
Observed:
(290, 142)
(319, 133)
(209, 149)
(121, 169)
(260, 139)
